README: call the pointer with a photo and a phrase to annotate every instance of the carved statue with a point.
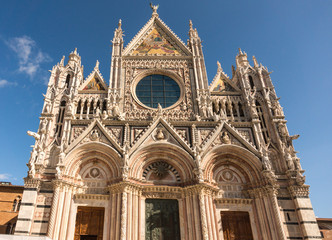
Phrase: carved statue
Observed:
(116, 111)
(160, 110)
(290, 163)
(47, 108)
(160, 135)
(97, 112)
(266, 163)
(43, 125)
(104, 115)
(154, 7)
(225, 138)
(277, 109)
(94, 135)
(282, 130)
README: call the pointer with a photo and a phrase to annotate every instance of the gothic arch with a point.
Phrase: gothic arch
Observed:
(102, 154)
(246, 163)
(177, 158)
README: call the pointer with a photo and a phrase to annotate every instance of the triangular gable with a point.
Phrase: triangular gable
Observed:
(156, 39)
(95, 132)
(94, 82)
(169, 133)
(222, 84)
(233, 137)
(155, 44)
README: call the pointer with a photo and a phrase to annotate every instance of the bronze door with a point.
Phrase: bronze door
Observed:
(89, 223)
(236, 225)
(162, 219)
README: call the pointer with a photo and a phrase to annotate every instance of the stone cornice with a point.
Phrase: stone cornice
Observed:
(238, 201)
(299, 191)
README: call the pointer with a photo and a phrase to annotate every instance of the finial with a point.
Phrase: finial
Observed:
(75, 51)
(154, 9)
(190, 24)
(219, 66)
(62, 60)
(97, 65)
(240, 51)
(255, 61)
(120, 23)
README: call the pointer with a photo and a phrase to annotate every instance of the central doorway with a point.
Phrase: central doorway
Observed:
(162, 219)
(89, 223)
(236, 225)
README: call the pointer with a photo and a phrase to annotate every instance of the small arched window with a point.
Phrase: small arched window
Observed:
(14, 205)
(68, 81)
(19, 205)
(59, 123)
(262, 122)
(251, 82)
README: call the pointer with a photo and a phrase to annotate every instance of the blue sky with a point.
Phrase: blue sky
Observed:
(292, 38)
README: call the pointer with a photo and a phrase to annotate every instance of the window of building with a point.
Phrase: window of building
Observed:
(158, 89)
(262, 122)
(59, 123)
(68, 81)
(14, 205)
(251, 82)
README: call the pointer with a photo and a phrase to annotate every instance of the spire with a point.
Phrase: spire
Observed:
(97, 65)
(190, 25)
(255, 61)
(62, 61)
(219, 67)
(74, 57)
(118, 34)
(154, 9)
(241, 59)
(119, 24)
(192, 32)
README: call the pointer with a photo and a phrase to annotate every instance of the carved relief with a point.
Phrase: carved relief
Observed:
(116, 132)
(77, 131)
(161, 172)
(204, 134)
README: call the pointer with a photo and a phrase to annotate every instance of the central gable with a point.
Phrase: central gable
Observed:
(155, 44)
(156, 39)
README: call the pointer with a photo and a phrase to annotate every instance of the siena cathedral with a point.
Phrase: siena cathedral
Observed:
(158, 153)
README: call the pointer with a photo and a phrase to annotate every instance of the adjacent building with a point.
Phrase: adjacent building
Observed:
(10, 203)
(158, 153)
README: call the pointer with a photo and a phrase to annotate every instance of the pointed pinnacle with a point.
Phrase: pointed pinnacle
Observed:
(190, 24)
(255, 61)
(120, 23)
(219, 65)
(240, 51)
(97, 65)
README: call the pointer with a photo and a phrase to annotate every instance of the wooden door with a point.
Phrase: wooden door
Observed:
(89, 223)
(236, 225)
(162, 219)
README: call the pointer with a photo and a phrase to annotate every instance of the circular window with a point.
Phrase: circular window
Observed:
(154, 89)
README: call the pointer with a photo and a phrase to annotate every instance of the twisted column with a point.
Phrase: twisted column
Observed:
(124, 216)
(53, 209)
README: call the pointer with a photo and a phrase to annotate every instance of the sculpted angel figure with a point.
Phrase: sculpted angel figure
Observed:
(154, 7)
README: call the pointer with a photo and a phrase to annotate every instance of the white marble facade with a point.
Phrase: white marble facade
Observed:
(218, 147)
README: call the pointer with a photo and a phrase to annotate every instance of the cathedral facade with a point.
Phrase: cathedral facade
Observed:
(158, 153)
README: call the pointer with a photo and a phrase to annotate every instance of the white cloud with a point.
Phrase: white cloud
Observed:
(30, 57)
(4, 176)
(4, 83)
